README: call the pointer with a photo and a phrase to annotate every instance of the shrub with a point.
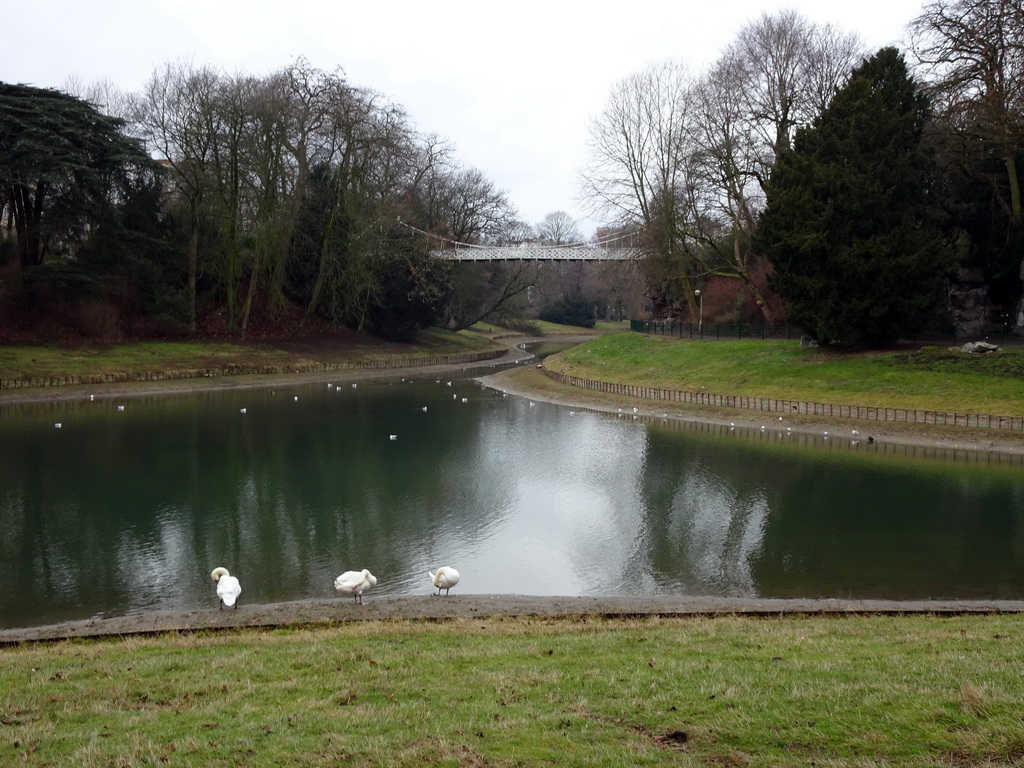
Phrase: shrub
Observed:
(575, 309)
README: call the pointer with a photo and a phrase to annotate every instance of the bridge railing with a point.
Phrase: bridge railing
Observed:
(537, 253)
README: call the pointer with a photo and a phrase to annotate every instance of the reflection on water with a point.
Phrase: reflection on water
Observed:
(129, 510)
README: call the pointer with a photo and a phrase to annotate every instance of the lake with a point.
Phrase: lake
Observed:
(131, 502)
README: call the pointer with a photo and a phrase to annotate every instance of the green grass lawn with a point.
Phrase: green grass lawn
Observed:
(931, 378)
(739, 691)
(20, 361)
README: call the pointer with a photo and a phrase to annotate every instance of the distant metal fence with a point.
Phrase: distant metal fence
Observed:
(1001, 335)
(715, 330)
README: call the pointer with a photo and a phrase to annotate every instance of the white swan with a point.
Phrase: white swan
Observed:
(355, 582)
(228, 588)
(444, 578)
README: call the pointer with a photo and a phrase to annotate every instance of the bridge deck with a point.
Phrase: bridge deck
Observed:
(538, 253)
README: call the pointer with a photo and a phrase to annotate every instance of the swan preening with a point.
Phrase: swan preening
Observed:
(350, 582)
(355, 582)
(228, 588)
(444, 578)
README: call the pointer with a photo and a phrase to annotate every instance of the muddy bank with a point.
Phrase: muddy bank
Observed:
(527, 381)
(516, 373)
(234, 382)
(467, 607)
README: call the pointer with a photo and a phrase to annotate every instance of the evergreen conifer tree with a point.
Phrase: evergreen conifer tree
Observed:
(853, 217)
(64, 168)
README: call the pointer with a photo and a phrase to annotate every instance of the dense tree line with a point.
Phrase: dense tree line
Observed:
(738, 172)
(296, 195)
(863, 189)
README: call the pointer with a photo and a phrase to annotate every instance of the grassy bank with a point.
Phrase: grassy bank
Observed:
(793, 691)
(926, 379)
(20, 361)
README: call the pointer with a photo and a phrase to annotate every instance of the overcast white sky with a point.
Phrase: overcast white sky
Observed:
(512, 85)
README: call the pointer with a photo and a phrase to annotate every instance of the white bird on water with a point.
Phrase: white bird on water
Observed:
(228, 588)
(355, 582)
(444, 578)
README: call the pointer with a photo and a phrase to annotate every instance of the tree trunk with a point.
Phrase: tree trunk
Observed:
(744, 274)
(251, 292)
(1014, 181)
(27, 215)
(193, 275)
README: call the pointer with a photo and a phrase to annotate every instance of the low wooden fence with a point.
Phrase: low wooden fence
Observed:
(249, 370)
(801, 407)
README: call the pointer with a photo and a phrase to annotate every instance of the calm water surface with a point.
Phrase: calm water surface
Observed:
(121, 511)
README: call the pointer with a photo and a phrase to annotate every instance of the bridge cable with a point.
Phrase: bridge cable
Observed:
(457, 244)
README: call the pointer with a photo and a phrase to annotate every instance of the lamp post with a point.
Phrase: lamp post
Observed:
(700, 317)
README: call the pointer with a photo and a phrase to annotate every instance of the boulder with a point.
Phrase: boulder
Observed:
(978, 347)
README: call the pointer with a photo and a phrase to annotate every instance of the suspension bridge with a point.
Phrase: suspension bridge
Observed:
(577, 252)
(606, 249)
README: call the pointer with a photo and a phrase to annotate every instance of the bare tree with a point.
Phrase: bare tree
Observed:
(460, 205)
(267, 186)
(728, 153)
(972, 54)
(564, 278)
(514, 232)
(636, 153)
(222, 138)
(686, 159)
(490, 290)
(832, 57)
(772, 56)
(176, 116)
(639, 169)
(777, 76)
(558, 228)
(463, 205)
(104, 95)
(371, 158)
(787, 69)
(307, 94)
(242, 151)
(621, 286)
